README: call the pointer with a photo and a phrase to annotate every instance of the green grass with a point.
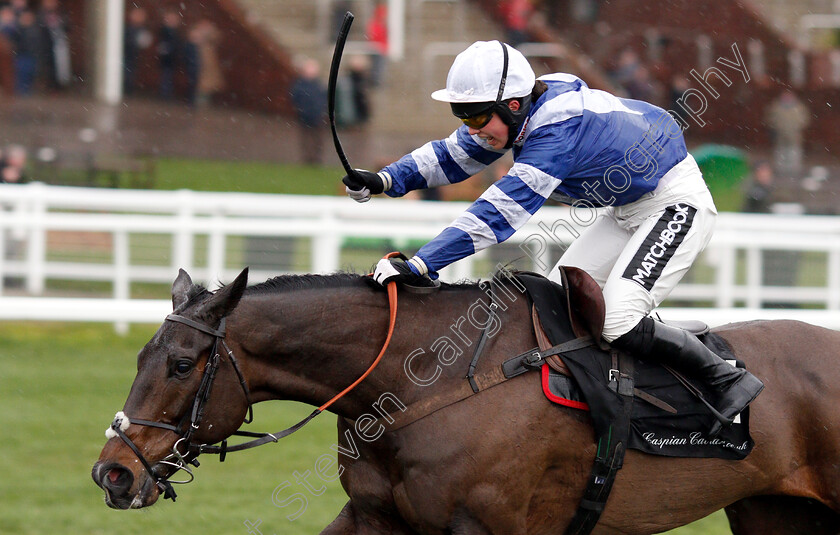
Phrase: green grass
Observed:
(60, 386)
(251, 177)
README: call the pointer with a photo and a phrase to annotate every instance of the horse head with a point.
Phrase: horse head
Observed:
(174, 405)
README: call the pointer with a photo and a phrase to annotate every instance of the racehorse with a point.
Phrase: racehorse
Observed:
(503, 461)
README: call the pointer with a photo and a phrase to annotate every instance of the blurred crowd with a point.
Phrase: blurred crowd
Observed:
(36, 40)
(35, 51)
(191, 50)
(167, 56)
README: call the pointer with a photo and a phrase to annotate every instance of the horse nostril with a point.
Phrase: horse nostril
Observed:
(116, 478)
(114, 475)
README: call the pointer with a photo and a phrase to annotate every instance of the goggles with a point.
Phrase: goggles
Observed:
(478, 120)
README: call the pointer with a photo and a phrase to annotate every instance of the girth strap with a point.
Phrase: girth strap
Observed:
(609, 457)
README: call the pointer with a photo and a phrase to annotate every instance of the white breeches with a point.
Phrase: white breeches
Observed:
(638, 252)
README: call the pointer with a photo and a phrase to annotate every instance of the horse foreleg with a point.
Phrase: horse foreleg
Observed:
(781, 515)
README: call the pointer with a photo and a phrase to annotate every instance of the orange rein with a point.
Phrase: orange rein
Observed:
(392, 303)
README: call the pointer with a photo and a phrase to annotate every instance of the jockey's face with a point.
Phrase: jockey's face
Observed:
(496, 132)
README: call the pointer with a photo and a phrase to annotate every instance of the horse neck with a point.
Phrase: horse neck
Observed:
(308, 345)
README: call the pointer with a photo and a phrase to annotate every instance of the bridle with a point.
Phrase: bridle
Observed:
(176, 459)
(181, 461)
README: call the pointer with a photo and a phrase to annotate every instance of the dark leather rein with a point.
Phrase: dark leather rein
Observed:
(178, 460)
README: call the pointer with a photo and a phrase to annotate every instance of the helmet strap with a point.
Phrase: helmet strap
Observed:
(513, 119)
(503, 81)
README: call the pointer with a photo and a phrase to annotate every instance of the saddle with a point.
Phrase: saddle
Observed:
(632, 403)
(665, 403)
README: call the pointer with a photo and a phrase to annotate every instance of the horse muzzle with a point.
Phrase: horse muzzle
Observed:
(122, 489)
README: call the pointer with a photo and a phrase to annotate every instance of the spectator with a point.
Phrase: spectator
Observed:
(13, 165)
(585, 11)
(377, 35)
(339, 9)
(351, 100)
(8, 22)
(210, 78)
(760, 189)
(56, 50)
(345, 107)
(787, 118)
(628, 64)
(780, 267)
(136, 38)
(309, 97)
(27, 45)
(359, 82)
(8, 30)
(192, 63)
(679, 85)
(517, 16)
(169, 51)
(19, 6)
(642, 86)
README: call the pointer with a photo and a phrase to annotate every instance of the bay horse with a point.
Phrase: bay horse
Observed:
(504, 461)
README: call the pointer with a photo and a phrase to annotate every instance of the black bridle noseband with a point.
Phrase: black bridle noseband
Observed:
(177, 460)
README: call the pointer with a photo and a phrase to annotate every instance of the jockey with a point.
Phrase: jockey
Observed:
(590, 149)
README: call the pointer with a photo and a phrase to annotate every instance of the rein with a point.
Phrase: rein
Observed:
(180, 461)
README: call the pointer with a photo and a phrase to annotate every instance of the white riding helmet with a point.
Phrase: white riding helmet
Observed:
(476, 74)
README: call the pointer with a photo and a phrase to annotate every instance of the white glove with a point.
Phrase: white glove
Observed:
(386, 270)
(360, 184)
(399, 270)
(358, 195)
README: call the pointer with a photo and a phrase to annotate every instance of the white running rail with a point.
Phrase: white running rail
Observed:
(199, 232)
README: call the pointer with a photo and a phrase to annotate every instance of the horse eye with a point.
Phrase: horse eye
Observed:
(183, 367)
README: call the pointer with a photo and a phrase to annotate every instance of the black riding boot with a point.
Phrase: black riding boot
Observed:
(736, 387)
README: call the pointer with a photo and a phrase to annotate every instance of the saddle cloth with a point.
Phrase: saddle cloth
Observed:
(666, 419)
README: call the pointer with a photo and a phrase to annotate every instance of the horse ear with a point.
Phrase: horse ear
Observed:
(226, 298)
(181, 288)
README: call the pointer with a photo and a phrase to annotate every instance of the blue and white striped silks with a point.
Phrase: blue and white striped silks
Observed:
(580, 144)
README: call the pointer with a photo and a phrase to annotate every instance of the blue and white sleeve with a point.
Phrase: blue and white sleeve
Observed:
(506, 205)
(439, 163)
(500, 211)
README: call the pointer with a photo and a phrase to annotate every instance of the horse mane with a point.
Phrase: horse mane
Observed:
(285, 283)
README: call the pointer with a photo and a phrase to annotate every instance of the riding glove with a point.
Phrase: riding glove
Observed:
(360, 184)
(398, 270)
